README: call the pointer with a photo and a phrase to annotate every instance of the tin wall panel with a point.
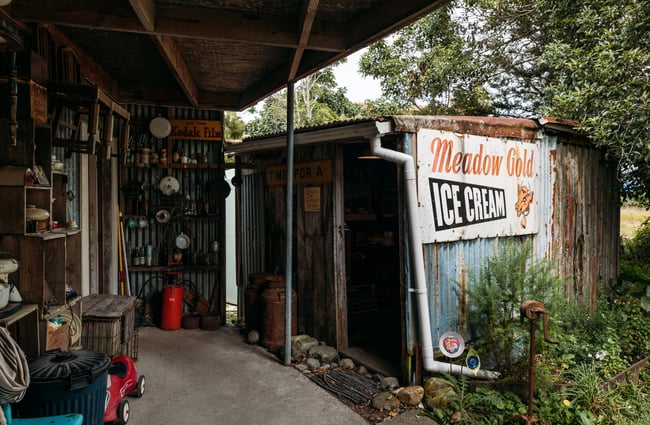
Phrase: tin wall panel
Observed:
(253, 249)
(70, 167)
(578, 230)
(202, 269)
(586, 221)
(452, 267)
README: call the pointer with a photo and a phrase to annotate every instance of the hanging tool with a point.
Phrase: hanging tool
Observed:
(125, 284)
(532, 310)
(119, 251)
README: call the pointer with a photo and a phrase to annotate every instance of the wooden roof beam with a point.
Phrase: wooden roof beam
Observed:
(187, 22)
(386, 17)
(306, 23)
(178, 67)
(146, 11)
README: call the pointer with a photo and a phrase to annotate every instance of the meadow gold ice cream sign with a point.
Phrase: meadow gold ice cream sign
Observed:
(471, 186)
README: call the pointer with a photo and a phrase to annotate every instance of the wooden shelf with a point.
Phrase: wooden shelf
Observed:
(55, 310)
(23, 325)
(360, 217)
(176, 166)
(140, 269)
(201, 216)
(136, 269)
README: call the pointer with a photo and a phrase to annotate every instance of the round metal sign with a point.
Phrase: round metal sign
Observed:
(451, 344)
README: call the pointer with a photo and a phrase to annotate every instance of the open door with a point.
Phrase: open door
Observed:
(372, 257)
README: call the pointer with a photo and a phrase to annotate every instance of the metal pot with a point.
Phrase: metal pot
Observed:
(182, 241)
(163, 216)
(36, 214)
(220, 189)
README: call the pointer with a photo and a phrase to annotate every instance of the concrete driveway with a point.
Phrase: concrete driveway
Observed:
(213, 377)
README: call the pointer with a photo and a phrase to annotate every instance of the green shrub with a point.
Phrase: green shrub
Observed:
(482, 406)
(638, 249)
(594, 344)
(508, 279)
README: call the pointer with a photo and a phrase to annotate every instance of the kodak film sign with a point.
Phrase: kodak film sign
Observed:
(196, 130)
(471, 186)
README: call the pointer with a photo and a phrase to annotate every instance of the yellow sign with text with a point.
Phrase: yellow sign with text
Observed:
(313, 172)
(196, 130)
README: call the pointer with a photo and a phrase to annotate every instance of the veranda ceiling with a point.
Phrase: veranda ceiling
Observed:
(218, 54)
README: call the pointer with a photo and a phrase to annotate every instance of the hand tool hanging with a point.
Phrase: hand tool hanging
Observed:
(125, 284)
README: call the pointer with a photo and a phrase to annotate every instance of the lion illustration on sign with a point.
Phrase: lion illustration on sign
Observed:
(524, 199)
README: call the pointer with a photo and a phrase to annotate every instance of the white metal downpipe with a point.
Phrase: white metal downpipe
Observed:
(417, 263)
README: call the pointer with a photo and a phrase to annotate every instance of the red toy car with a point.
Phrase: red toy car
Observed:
(122, 380)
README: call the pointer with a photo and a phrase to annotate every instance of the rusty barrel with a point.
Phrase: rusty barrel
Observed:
(253, 300)
(273, 311)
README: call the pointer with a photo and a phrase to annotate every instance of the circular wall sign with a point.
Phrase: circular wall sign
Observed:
(451, 344)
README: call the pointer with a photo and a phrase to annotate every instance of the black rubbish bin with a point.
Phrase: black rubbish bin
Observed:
(65, 382)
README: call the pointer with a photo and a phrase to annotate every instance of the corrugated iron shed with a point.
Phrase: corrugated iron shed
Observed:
(576, 223)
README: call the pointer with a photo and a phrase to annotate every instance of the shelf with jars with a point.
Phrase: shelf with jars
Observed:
(173, 196)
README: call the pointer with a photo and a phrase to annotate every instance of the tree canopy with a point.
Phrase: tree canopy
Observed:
(318, 99)
(586, 60)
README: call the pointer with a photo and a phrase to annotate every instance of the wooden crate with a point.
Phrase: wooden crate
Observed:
(58, 339)
(130, 347)
(24, 328)
(109, 325)
(101, 335)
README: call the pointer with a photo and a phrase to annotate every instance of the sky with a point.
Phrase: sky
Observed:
(358, 87)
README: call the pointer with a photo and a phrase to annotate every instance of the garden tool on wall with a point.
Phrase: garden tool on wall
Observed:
(532, 310)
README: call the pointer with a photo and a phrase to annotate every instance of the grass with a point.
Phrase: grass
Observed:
(631, 219)
(231, 314)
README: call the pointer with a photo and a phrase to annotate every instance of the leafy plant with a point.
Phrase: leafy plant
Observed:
(506, 280)
(633, 284)
(477, 407)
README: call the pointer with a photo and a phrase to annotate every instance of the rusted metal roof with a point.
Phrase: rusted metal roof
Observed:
(520, 128)
(218, 54)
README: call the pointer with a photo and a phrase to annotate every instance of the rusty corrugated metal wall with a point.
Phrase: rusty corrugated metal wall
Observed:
(252, 228)
(585, 221)
(578, 230)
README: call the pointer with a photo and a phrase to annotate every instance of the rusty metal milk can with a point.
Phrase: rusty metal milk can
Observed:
(273, 310)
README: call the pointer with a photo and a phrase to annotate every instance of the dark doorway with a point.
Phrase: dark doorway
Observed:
(372, 254)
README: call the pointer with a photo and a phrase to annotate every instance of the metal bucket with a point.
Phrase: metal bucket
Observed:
(273, 311)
